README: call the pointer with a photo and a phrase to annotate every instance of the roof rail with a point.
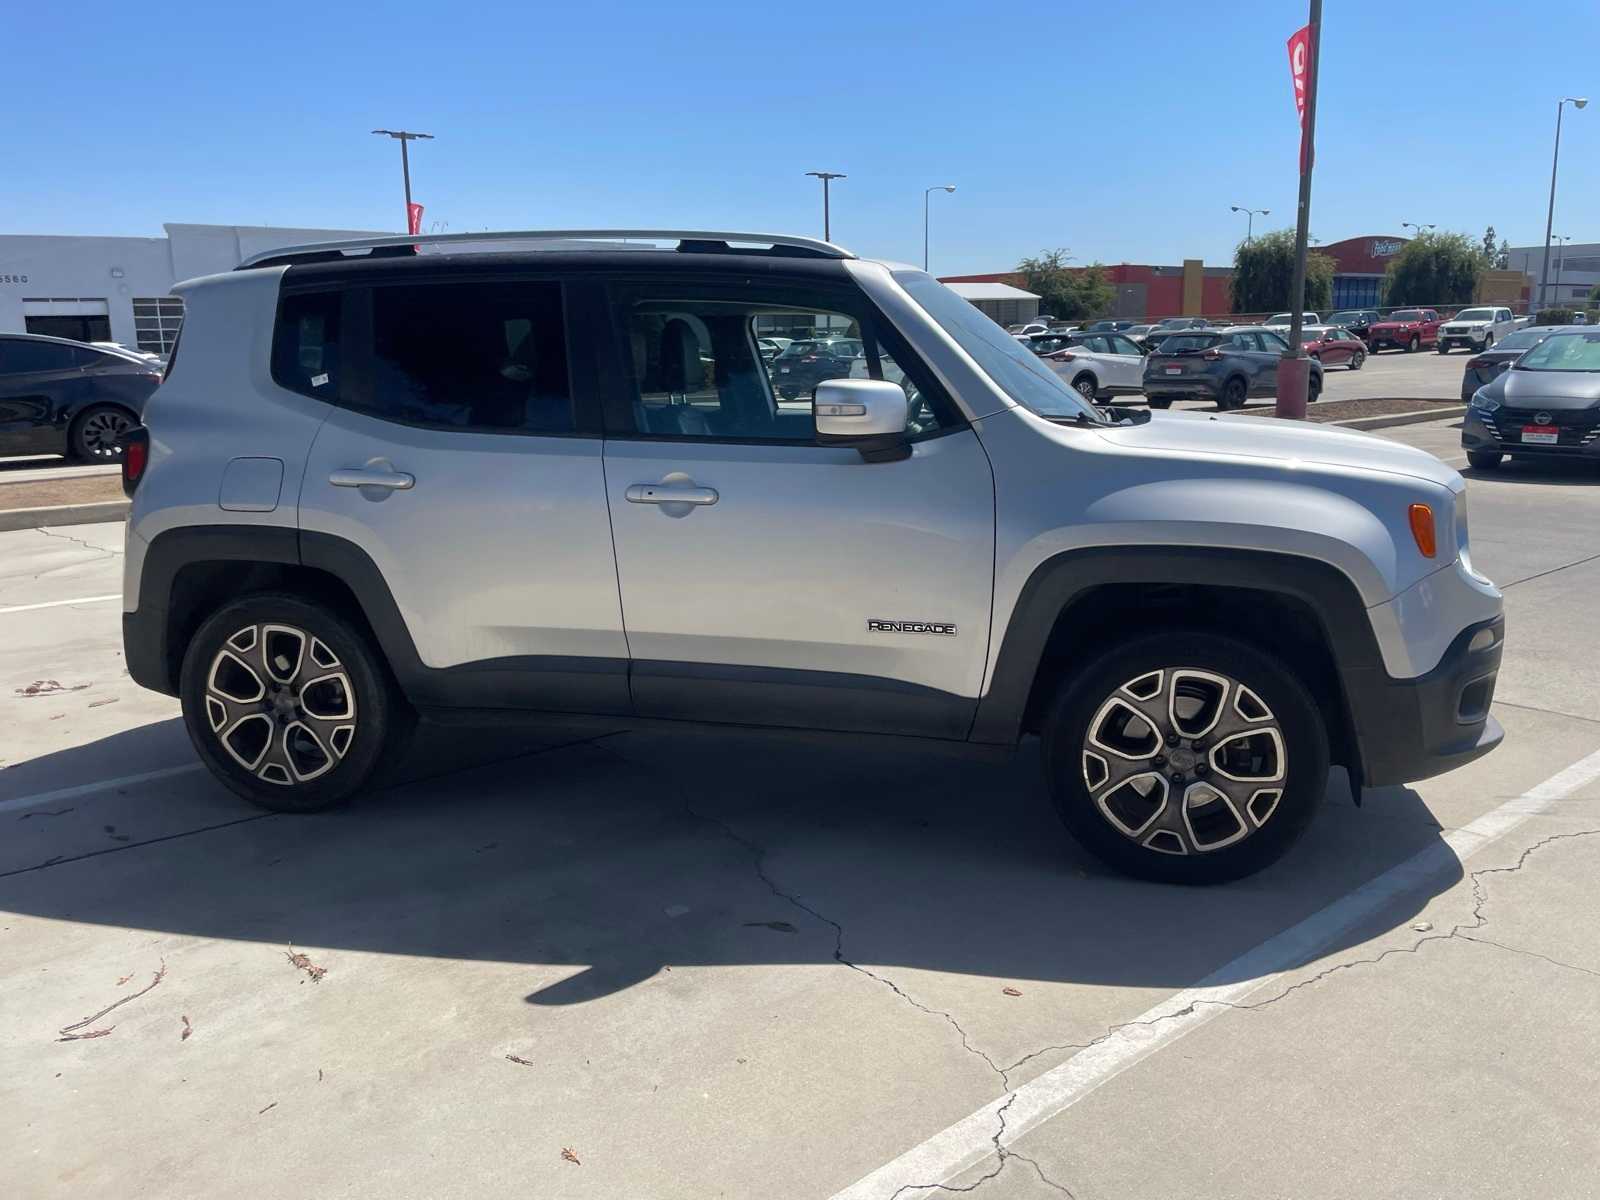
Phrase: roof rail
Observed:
(406, 244)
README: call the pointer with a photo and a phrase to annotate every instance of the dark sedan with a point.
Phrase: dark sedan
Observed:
(1485, 366)
(1546, 405)
(806, 363)
(1223, 365)
(64, 397)
(1357, 320)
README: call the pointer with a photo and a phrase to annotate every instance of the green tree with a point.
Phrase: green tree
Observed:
(1434, 268)
(1069, 293)
(1489, 251)
(1502, 258)
(1594, 297)
(1263, 269)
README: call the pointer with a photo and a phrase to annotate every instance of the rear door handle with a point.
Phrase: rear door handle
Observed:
(667, 493)
(364, 477)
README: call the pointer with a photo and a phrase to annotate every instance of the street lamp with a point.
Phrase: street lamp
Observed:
(1550, 216)
(926, 192)
(1414, 225)
(1563, 238)
(827, 177)
(1250, 215)
(403, 136)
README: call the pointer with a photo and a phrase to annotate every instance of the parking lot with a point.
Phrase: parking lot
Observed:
(691, 965)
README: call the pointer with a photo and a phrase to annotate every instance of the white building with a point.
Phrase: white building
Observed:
(114, 289)
(1574, 271)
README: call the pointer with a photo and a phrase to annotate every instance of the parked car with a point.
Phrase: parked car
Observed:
(806, 362)
(376, 484)
(1284, 320)
(1334, 347)
(1357, 320)
(1028, 328)
(1476, 328)
(771, 346)
(1546, 404)
(63, 397)
(1098, 365)
(1225, 366)
(1170, 325)
(1485, 366)
(148, 356)
(1408, 328)
(1108, 326)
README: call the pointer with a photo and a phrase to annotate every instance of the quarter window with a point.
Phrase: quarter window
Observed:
(19, 356)
(305, 345)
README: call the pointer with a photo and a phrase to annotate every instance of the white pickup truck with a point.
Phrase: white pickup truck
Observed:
(1476, 328)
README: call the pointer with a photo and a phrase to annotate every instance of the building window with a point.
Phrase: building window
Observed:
(155, 323)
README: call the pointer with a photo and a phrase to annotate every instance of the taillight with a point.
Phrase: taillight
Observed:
(1062, 356)
(1212, 355)
(135, 445)
(1474, 363)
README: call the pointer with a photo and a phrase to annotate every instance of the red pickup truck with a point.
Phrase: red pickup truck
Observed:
(1408, 328)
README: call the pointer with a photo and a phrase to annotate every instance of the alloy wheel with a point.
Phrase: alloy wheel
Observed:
(280, 704)
(101, 431)
(1183, 760)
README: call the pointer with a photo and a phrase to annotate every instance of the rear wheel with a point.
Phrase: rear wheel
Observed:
(95, 434)
(287, 703)
(1313, 389)
(1233, 394)
(1186, 757)
(1484, 460)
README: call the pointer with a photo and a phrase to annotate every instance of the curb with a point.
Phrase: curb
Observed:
(1413, 418)
(63, 514)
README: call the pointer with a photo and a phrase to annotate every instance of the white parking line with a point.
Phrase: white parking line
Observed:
(88, 789)
(16, 608)
(970, 1141)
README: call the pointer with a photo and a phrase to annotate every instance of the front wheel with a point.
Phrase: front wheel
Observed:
(1484, 460)
(1443, 347)
(1414, 344)
(1488, 341)
(1186, 757)
(287, 703)
(1358, 360)
(1159, 401)
(1086, 388)
(1313, 389)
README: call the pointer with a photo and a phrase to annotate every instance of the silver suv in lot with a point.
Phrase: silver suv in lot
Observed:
(393, 478)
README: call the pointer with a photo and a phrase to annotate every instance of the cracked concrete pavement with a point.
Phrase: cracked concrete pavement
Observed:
(740, 965)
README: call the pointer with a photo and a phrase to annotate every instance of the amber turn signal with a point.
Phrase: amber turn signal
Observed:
(1422, 529)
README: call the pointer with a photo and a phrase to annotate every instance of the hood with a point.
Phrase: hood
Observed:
(1473, 323)
(1282, 442)
(1392, 324)
(1547, 389)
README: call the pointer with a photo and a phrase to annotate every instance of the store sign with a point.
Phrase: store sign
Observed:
(1386, 247)
(13, 279)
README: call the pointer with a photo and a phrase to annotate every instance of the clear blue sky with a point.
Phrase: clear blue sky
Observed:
(1122, 131)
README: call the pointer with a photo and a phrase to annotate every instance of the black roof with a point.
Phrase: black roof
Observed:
(748, 265)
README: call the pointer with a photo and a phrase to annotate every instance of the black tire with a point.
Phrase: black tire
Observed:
(1086, 387)
(1358, 360)
(1484, 460)
(1488, 342)
(1304, 745)
(1414, 344)
(95, 431)
(377, 720)
(1234, 394)
(1159, 401)
(1313, 389)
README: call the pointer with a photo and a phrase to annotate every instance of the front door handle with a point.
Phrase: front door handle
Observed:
(669, 493)
(367, 477)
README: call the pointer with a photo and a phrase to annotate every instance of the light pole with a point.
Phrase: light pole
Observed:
(1250, 215)
(1414, 225)
(1563, 238)
(1550, 217)
(403, 136)
(827, 177)
(926, 192)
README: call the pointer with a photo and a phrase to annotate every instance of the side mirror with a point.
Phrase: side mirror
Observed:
(869, 414)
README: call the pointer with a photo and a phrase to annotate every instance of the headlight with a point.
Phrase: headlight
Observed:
(1483, 402)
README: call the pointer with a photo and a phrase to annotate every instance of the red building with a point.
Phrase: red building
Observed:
(1145, 293)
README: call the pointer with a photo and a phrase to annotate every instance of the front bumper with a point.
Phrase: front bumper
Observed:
(1182, 385)
(1382, 340)
(1501, 431)
(1410, 729)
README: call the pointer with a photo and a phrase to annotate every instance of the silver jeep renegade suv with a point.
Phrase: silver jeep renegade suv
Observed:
(394, 477)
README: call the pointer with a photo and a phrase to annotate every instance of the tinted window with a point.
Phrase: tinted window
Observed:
(305, 345)
(1271, 341)
(19, 356)
(1521, 339)
(486, 356)
(1122, 345)
(1181, 343)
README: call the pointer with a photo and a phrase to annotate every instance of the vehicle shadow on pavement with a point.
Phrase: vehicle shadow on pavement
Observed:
(1561, 472)
(599, 863)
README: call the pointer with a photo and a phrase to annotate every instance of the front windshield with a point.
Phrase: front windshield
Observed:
(1522, 339)
(1564, 352)
(1015, 369)
(1346, 318)
(1405, 314)
(1475, 314)
(1280, 319)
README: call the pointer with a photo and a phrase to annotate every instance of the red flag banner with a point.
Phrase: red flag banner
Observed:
(1299, 71)
(413, 218)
